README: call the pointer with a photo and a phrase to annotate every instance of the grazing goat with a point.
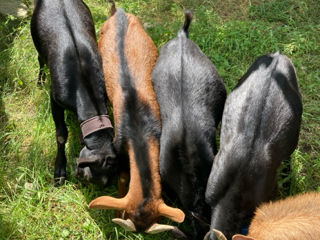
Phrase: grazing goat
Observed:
(293, 218)
(260, 129)
(129, 56)
(191, 96)
(64, 36)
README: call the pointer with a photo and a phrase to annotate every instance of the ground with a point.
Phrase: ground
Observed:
(13, 7)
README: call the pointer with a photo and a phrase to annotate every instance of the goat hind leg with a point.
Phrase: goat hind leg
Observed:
(42, 74)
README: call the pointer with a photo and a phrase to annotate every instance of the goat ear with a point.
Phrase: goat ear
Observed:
(241, 237)
(219, 235)
(105, 202)
(158, 228)
(175, 214)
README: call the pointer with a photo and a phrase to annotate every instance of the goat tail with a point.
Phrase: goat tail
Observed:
(113, 7)
(189, 16)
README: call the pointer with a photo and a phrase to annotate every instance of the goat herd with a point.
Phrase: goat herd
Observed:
(166, 111)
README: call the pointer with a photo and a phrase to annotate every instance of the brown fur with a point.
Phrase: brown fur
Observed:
(122, 190)
(110, 60)
(142, 58)
(141, 54)
(294, 218)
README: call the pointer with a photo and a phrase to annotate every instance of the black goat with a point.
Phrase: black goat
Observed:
(64, 35)
(191, 97)
(260, 129)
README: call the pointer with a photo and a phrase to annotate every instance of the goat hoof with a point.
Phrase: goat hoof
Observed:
(59, 181)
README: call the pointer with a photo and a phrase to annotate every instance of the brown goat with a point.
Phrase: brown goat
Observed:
(129, 56)
(293, 218)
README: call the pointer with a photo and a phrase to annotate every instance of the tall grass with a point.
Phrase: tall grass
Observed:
(231, 33)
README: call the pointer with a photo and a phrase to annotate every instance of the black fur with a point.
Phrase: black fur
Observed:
(188, 16)
(138, 123)
(64, 35)
(191, 97)
(260, 129)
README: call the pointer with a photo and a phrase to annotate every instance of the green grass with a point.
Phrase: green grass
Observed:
(231, 33)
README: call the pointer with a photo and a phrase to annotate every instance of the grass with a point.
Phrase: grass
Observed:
(231, 33)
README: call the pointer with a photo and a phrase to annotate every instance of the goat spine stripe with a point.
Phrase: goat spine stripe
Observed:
(95, 124)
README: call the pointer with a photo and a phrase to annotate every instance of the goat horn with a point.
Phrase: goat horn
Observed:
(199, 218)
(177, 233)
(106, 202)
(219, 235)
(158, 228)
(175, 214)
(207, 236)
(128, 225)
(241, 237)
